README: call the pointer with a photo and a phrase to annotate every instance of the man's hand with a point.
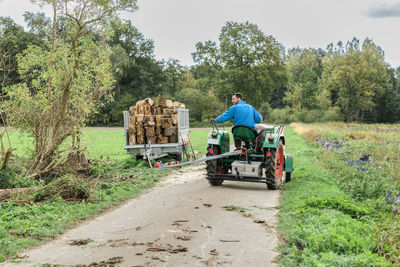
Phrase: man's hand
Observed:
(212, 120)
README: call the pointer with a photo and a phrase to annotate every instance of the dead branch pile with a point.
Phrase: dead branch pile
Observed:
(69, 188)
(6, 194)
(154, 120)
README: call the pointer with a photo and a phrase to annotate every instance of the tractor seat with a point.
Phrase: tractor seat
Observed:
(244, 132)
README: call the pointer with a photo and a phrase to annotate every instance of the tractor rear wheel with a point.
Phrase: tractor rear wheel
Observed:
(274, 167)
(214, 166)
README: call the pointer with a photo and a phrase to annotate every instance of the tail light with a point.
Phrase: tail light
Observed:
(270, 139)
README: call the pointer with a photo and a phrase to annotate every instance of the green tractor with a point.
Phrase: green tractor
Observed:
(267, 164)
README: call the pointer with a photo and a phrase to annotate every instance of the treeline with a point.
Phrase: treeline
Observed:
(345, 82)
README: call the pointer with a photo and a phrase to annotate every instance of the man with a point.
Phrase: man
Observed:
(242, 114)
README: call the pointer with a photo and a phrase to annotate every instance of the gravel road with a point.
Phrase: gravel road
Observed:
(180, 222)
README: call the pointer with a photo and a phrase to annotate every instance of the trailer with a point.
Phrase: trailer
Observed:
(155, 151)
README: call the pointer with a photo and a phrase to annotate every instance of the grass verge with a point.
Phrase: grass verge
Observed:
(322, 224)
(33, 223)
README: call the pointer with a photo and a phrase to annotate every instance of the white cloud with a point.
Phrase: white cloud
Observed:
(384, 11)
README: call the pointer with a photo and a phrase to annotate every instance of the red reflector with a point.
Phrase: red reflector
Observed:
(269, 154)
(211, 150)
(270, 139)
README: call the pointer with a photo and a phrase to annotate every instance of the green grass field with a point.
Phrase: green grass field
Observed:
(333, 212)
(104, 143)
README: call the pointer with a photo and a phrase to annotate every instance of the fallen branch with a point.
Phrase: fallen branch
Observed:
(6, 158)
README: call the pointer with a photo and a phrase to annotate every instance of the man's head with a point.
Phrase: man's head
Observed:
(236, 97)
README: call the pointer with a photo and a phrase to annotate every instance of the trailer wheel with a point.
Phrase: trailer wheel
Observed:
(274, 167)
(214, 166)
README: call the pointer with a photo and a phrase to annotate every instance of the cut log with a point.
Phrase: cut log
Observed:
(149, 120)
(163, 140)
(159, 120)
(132, 139)
(132, 130)
(132, 121)
(168, 111)
(166, 123)
(152, 139)
(158, 130)
(168, 103)
(147, 109)
(173, 139)
(175, 119)
(140, 137)
(133, 110)
(148, 101)
(139, 118)
(170, 131)
(159, 110)
(159, 101)
(150, 132)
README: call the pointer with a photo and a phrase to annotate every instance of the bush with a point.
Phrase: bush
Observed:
(332, 114)
(307, 116)
(265, 111)
(280, 115)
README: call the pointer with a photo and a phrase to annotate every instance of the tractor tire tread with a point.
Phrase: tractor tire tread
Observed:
(211, 167)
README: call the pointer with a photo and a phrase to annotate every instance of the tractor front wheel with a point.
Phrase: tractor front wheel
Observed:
(274, 167)
(214, 166)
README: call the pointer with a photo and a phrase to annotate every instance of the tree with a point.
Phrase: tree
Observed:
(304, 72)
(358, 77)
(388, 105)
(63, 80)
(137, 73)
(246, 60)
(13, 40)
(202, 106)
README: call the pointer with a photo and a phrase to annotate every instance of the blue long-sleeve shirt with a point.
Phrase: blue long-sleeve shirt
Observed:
(242, 114)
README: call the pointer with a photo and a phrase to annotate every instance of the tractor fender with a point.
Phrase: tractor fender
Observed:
(274, 142)
(219, 138)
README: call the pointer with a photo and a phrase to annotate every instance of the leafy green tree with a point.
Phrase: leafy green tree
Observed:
(358, 76)
(38, 24)
(202, 106)
(13, 40)
(304, 72)
(63, 80)
(388, 105)
(246, 60)
(137, 73)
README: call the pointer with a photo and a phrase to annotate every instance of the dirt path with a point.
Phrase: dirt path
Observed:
(181, 222)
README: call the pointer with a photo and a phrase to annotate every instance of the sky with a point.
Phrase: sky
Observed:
(177, 25)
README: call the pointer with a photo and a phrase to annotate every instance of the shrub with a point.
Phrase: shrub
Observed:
(280, 115)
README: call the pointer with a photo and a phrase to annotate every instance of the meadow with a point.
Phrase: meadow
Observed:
(340, 207)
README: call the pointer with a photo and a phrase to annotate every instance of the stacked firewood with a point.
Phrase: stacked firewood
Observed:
(154, 120)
